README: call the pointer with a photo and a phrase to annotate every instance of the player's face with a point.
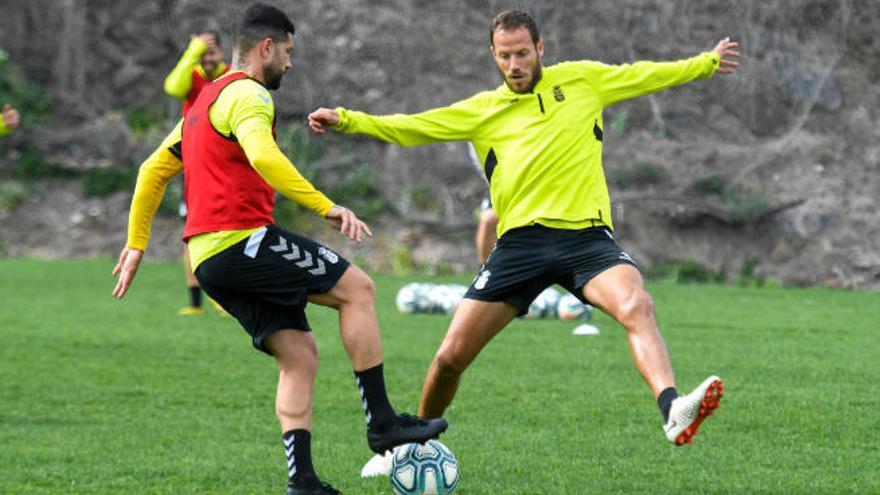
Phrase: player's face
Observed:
(518, 58)
(211, 59)
(279, 63)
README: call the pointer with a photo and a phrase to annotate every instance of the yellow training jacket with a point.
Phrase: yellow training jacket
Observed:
(541, 151)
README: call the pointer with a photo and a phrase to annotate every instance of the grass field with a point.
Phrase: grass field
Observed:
(101, 396)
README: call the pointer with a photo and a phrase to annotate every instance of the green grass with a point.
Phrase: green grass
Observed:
(101, 396)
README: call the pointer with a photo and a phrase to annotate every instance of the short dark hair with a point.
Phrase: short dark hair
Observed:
(512, 19)
(261, 21)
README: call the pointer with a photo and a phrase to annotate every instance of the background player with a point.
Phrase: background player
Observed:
(488, 220)
(9, 120)
(201, 63)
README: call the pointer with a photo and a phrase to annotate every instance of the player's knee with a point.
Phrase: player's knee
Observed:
(365, 289)
(359, 288)
(637, 308)
(449, 363)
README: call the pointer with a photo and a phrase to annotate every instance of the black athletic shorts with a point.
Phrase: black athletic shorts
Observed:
(527, 260)
(264, 281)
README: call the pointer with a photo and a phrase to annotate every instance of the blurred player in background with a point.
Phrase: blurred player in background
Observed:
(261, 274)
(9, 120)
(201, 63)
(488, 220)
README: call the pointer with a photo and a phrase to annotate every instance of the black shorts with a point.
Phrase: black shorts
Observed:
(264, 281)
(527, 260)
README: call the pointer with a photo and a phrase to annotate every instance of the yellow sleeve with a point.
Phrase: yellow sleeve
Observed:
(614, 83)
(268, 160)
(457, 122)
(153, 178)
(4, 131)
(245, 109)
(179, 81)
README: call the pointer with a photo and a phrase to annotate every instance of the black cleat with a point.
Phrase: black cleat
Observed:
(405, 428)
(311, 486)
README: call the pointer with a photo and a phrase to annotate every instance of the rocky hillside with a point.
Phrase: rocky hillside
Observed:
(773, 171)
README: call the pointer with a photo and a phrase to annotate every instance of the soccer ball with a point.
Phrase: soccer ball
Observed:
(571, 308)
(446, 297)
(544, 306)
(411, 298)
(428, 469)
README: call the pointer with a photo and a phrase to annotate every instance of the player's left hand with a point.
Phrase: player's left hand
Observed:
(345, 221)
(726, 49)
(126, 268)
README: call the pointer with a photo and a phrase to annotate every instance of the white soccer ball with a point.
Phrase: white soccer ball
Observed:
(446, 297)
(570, 307)
(409, 298)
(428, 469)
(544, 306)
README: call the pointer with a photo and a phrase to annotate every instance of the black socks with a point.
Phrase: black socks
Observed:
(664, 401)
(371, 383)
(195, 296)
(298, 449)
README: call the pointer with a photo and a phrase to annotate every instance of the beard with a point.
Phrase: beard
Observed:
(273, 73)
(536, 76)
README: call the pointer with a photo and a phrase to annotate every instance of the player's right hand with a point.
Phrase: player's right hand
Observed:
(345, 221)
(10, 117)
(126, 268)
(209, 39)
(321, 118)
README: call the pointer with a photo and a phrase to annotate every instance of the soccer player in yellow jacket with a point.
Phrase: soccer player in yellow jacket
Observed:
(201, 63)
(539, 137)
(261, 274)
(9, 120)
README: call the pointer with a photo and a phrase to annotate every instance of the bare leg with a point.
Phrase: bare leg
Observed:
(619, 292)
(474, 324)
(191, 280)
(297, 357)
(354, 296)
(486, 235)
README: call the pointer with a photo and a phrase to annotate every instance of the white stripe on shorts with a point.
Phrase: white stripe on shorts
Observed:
(253, 243)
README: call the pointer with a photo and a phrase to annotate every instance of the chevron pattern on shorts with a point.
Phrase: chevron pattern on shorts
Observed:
(299, 257)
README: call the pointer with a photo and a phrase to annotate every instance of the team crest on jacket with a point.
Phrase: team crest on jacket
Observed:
(558, 94)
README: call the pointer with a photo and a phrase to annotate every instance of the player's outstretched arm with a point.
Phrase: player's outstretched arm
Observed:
(729, 56)
(456, 122)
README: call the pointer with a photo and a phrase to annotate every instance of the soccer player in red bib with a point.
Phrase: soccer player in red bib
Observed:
(261, 274)
(201, 63)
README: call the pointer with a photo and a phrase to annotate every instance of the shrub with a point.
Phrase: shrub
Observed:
(31, 165)
(107, 180)
(685, 271)
(640, 175)
(12, 194)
